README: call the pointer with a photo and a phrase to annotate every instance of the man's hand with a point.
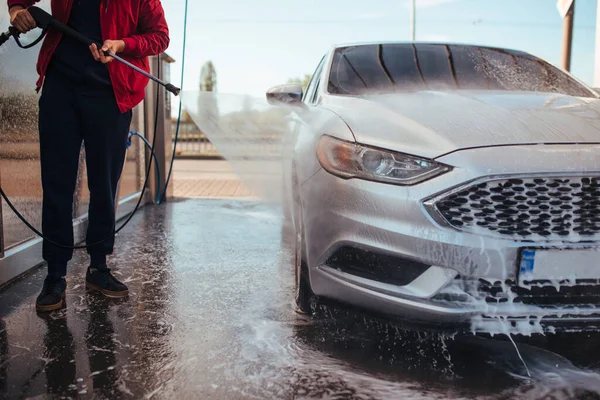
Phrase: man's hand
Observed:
(114, 46)
(21, 19)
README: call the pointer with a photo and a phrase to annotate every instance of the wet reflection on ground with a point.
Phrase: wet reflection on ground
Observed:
(211, 316)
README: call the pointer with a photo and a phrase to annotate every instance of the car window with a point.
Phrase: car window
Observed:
(435, 65)
(507, 71)
(388, 68)
(312, 85)
(315, 94)
(466, 60)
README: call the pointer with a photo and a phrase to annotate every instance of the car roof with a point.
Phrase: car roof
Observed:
(342, 45)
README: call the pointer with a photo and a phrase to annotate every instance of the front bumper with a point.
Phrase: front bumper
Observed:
(393, 220)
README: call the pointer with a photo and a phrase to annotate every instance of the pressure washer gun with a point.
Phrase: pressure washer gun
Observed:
(46, 21)
(5, 36)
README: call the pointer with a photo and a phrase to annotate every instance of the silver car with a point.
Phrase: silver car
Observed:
(447, 184)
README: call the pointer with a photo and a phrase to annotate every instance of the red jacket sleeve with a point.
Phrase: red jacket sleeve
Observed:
(152, 37)
(22, 3)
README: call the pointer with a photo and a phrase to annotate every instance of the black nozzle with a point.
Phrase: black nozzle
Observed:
(11, 32)
(4, 37)
(173, 89)
(41, 17)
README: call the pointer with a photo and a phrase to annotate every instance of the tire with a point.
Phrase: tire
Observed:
(303, 294)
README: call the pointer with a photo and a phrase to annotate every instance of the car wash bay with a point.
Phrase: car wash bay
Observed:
(211, 311)
(211, 315)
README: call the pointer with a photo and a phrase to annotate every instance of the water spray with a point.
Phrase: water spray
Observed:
(45, 21)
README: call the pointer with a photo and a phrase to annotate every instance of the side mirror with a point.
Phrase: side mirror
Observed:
(285, 94)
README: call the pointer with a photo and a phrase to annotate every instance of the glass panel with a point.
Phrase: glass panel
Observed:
(19, 149)
(19, 146)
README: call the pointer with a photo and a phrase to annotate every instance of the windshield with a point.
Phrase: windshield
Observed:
(386, 68)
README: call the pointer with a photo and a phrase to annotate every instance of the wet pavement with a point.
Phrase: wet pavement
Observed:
(211, 315)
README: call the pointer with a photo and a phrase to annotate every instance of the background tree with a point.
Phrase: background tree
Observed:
(207, 118)
(304, 82)
(185, 116)
(208, 77)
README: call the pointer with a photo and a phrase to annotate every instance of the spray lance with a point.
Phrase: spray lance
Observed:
(45, 21)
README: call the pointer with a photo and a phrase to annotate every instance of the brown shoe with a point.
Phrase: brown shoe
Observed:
(52, 296)
(101, 280)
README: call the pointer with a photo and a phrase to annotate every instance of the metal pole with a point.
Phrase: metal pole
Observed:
(150, 114)
(568, 38)
(597, 60)
(413, 16)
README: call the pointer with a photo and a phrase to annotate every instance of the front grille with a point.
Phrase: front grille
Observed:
(548, 208)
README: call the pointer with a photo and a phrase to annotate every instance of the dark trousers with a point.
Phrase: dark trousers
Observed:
(68, 116)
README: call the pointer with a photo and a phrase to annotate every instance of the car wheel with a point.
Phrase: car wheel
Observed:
(303, 293)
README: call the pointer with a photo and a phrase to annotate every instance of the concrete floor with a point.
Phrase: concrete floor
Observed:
(211, 316)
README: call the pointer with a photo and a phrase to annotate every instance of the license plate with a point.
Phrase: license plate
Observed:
(557, 264)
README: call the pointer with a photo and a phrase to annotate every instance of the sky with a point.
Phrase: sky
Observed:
(262, 43)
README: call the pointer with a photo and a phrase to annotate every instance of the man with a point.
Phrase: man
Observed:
(87, 97)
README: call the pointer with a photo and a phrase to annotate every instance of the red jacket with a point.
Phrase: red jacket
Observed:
(140, 24)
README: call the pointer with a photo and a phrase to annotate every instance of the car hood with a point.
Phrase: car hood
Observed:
(432, 124)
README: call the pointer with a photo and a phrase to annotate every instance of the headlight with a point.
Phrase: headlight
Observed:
(350, 160)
